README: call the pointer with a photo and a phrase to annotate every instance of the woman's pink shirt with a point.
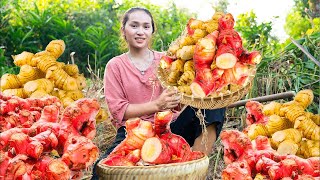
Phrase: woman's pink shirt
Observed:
(124, 85)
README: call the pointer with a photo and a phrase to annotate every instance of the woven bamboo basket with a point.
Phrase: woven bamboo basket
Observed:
(191, 170)
(207, 102)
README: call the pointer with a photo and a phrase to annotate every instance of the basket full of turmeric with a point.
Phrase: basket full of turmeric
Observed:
(153, 152)
(208, 64)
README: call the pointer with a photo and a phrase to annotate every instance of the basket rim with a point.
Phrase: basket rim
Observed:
(224, 96)
(205, 158)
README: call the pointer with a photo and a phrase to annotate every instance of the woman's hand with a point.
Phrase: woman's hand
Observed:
(169, 99)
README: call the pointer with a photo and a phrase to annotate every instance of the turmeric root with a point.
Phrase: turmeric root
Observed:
(71, 69)
(186, 41)
(186, 78)
(45, 62)
(314, 117)
(81, 81)
(276, 123)
(185, 89)
(254, 130)
(56, 48)
(39, 94)
(188, 66)
(288, 147)
(62, 80)
(28, 73)
(309, 129)
(20, 92)
(39, 84)
(176, 70)
(198, 34)
(10, 81)
(271, 108)
(287, 134)
(304, 97)
(186, 52)
(309, 148)
(24, 58)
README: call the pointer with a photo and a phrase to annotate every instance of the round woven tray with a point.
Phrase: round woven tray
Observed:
(207, 102)
(191, 170)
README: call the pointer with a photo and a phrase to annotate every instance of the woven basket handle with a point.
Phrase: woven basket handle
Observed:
(272, 97)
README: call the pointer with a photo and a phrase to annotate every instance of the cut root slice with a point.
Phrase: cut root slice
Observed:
(196, 90)
(226, 61)
(155, 151)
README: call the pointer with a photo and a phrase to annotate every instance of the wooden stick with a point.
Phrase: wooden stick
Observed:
(271, 97)
(305, 52)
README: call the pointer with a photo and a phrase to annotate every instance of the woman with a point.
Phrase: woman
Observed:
(132, 89)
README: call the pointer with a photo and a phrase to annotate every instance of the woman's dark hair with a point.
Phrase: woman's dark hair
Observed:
(131, 10)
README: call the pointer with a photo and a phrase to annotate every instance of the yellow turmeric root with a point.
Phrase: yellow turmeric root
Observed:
(186, 78)
(288, 147)
(24, 58)
(10, 81)
(177, 65)
(71, 69)
(176, 70)
(15, 92)
(286, 134)
(314, 117)
(186, 41)
(173, 77)
(198, 34)
(254, 130)
(28, 73)
(185, 89)
(186, 52)
(39, 94)
(56, 48)
(62, 80)
(45, 61)
(271, 108)
(309, 129)
(188, 66)
(309, 148)
(277, 123)
(81, 81)
(304, 97)
(39, 84)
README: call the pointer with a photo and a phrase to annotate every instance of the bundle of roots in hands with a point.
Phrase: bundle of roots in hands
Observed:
(41, 140)
(281, 140)
(146, 144)
(41, 75)
(208, 59)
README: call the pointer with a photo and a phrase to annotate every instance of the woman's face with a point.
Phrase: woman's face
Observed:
(138, 30)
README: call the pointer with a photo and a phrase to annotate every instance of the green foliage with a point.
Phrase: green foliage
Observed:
(296, 25)
(254, 35)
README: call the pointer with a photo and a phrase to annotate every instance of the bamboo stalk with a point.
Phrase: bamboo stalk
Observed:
(306, 52)
(272, 97)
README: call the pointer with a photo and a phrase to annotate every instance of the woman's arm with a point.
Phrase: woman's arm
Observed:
(167, 100)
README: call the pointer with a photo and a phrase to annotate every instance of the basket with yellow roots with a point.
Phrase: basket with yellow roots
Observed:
(208, 64)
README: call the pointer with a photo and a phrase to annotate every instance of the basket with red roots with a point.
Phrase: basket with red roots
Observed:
(208, 64)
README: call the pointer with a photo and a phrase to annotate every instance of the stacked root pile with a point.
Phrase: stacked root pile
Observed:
(208, 59)
(41, 140)
(281, 140)
(41, 75)
(146, 144)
